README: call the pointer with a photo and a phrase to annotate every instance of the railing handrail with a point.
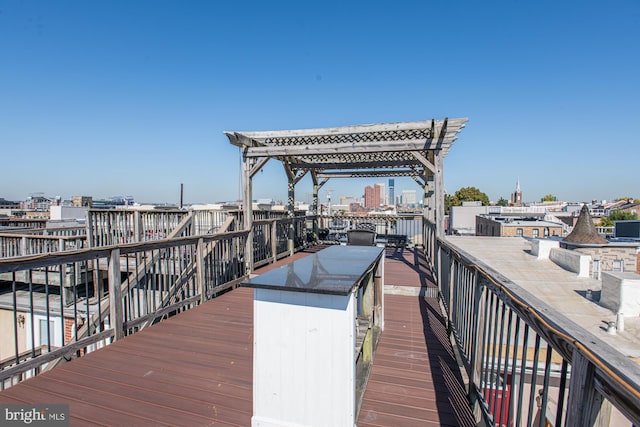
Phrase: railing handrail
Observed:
(43, 237)
(8, 265)
(208, 264)
(618, 375)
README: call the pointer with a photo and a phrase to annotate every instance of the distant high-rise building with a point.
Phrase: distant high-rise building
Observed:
(383, 194)
(516, 196)
(372, 197)
(409, 198)
(392, 195)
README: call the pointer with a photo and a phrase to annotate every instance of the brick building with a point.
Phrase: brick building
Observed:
(372, 197)
(505, 226)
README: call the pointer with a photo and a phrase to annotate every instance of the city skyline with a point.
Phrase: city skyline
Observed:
(551, 97)
(325, 196)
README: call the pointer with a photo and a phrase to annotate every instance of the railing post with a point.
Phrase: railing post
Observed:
(274, 239)
(585, 406)
(477, 336)
(61, 245)
(116, 312)
(23, 250)
(454, 276)
(90, 234)
(137, 226)
(200, 270)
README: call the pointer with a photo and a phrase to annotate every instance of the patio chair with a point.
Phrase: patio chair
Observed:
(361, 238)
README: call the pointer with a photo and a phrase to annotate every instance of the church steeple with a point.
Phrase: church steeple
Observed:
(516, 196)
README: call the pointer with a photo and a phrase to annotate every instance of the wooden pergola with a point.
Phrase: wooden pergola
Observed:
(406, 149)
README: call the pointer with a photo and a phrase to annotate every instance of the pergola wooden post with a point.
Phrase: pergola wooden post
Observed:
(412, 149)
(247, 209)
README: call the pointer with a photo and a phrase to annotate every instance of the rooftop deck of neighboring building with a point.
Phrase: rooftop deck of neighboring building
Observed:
(196, 368)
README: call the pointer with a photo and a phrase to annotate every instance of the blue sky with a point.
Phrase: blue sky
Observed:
(109, 98)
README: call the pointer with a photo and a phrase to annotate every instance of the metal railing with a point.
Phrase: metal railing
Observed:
(117, 227)
(106, 227)
(54, 231)
(116, 291)
(13, 244)
(403, 228)
(23, 222)
(271, 238)
(112, 227)
(62, 305)
(526, 363)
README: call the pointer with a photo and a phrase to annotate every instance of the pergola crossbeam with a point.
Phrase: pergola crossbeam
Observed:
(354, 165)
(367, 174)
(341, 148)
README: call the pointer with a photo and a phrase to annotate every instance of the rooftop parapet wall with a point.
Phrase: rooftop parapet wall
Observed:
(541, 249)
(571, 261)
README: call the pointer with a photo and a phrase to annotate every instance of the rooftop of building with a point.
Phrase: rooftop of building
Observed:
(561, 289)
(509, 221)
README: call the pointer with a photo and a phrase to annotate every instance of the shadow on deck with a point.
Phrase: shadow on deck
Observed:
(196, 368)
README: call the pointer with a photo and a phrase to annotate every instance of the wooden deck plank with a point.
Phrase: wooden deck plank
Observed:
(415, 378)
(196, 368)
(192, 369)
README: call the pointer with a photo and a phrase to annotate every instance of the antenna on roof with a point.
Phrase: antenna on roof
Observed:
(329, 193)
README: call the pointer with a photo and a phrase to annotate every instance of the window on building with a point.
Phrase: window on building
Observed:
(519, 232)
(546, 232)
(595, 269)
(535, 232)
(46, 334)
(618, 265)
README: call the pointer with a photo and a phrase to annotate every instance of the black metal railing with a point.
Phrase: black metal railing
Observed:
(62, 305)
(398, 230)
(526, 363)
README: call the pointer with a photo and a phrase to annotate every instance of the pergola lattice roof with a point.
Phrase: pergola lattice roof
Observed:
(391, 149)
(413, 149)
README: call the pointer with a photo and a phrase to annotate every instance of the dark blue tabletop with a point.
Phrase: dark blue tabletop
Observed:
(335, 270)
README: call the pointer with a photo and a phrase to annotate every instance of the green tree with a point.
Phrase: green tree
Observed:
(465, 194)
(617, 215)
(548, 198)
(471, 194)
(502, 202)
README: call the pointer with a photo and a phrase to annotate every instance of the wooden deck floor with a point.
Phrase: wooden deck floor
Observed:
(196, 368)
(415, 380)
